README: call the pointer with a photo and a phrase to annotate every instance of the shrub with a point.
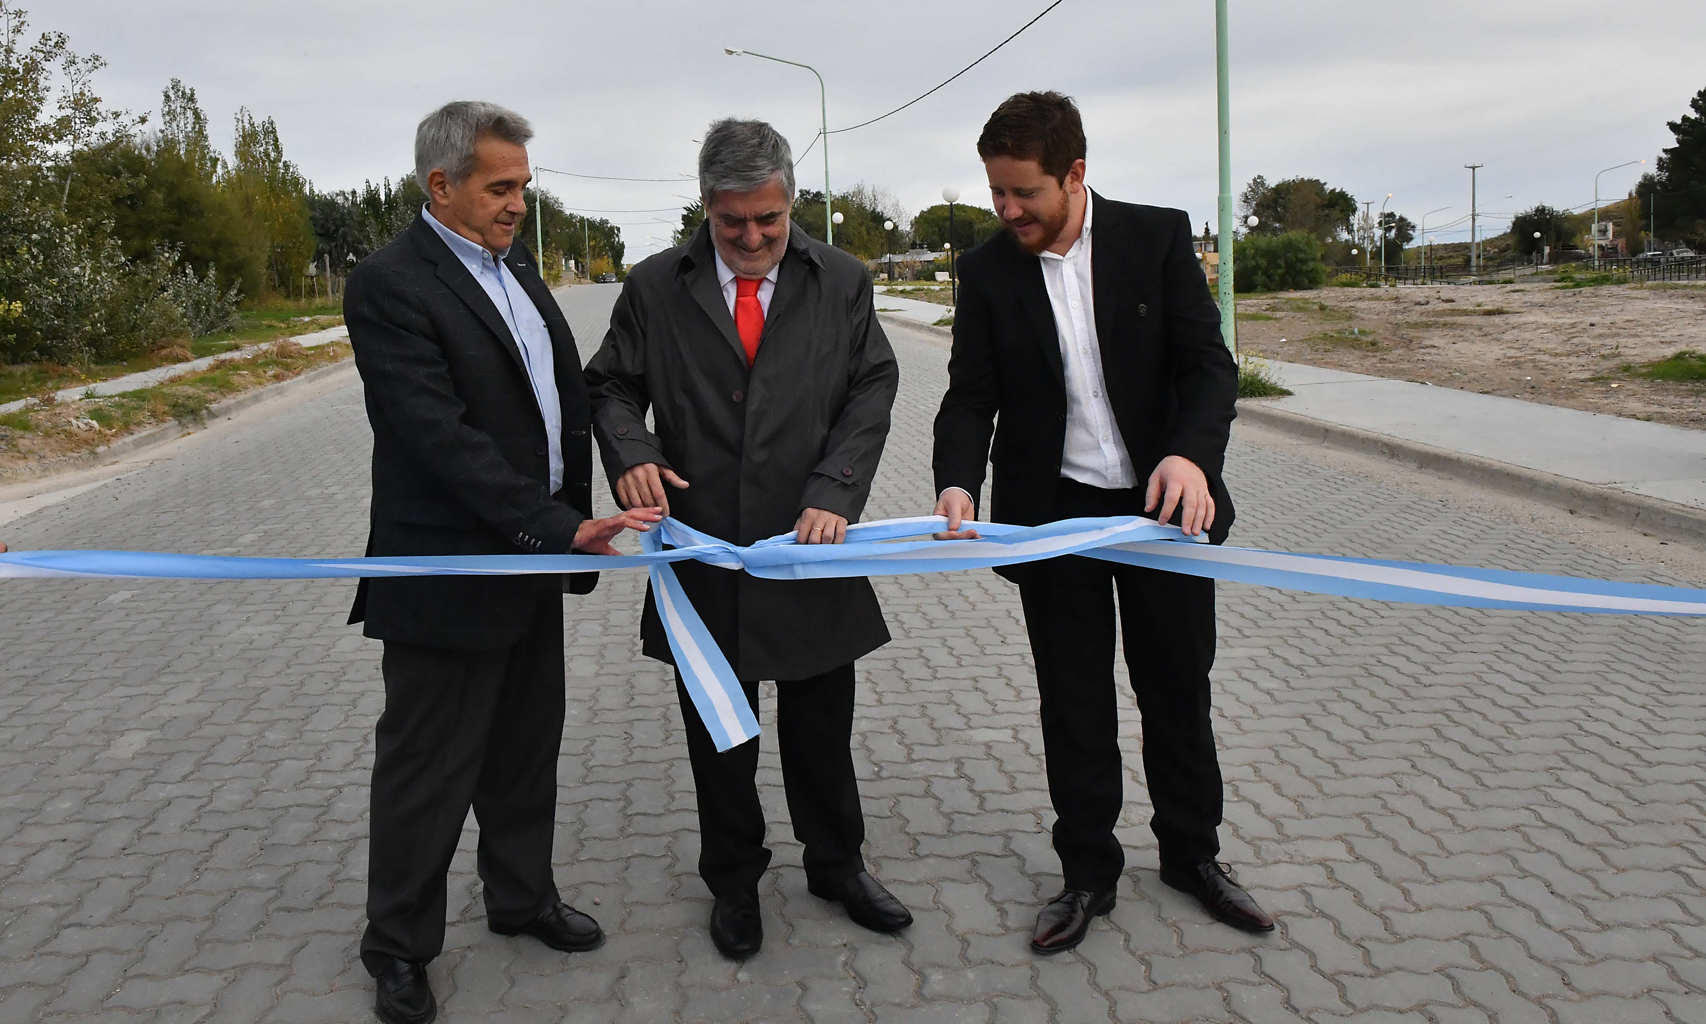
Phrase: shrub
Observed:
(1267, 263)
(206, 308)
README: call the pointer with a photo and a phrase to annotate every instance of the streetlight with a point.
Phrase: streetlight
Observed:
(1252, 220)
(1626, 163)
(1537, 248)
(823, 135)
(1382, 225)
(888, 240)
(1423, 231)
(951, 195)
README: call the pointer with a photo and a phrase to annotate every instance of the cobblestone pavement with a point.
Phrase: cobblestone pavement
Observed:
(1456, 815)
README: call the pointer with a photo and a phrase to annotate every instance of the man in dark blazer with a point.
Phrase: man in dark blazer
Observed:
(758, 353)
(1095, 359)
(480, 447)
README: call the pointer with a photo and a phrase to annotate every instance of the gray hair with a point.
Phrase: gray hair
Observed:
(445, 139)
(739, 156)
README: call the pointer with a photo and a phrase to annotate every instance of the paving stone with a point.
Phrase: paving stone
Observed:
(1457, 815)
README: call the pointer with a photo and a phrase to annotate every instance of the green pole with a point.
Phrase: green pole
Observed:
(1228, 305)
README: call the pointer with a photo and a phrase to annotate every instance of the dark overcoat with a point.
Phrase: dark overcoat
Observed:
(1170, 380)
(803, 427)
(459, 447)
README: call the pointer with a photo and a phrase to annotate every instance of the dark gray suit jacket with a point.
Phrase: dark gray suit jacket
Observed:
(459, 446)
(803, 428)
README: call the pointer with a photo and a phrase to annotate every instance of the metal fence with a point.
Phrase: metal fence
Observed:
(1686, 268)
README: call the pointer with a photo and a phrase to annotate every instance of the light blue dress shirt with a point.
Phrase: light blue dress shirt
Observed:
(526, 326)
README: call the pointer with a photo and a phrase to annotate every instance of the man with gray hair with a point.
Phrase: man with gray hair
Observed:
(758, 353)
(480, 447)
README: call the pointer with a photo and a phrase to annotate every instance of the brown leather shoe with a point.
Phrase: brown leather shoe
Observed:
(1064, 922)
(1211, 883)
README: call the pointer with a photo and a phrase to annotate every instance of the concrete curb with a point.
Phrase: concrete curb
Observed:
(1653, 516)
(165, 432)
(900, 321)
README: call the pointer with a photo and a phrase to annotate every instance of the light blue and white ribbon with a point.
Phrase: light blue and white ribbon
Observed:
(894, 546)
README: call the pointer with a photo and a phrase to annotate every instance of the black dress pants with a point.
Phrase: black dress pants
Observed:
(463, 729)
(814, 733)
(1167, 622)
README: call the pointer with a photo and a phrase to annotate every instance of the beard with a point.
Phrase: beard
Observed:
(1044, 228)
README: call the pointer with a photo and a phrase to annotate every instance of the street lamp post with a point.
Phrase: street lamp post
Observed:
(1223, 111)
(1381, 224)
(1626, 163)
(888, 243)
(1537, 248)
(823, 135)
(1423, 232)
(951, 195)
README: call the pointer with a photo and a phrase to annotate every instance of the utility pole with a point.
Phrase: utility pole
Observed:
(1474, 262)
(1367, 228)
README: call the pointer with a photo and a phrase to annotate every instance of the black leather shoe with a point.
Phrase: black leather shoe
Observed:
(404, 996)
(1064, 922)
(867, 902)
(560, 927)
(1211, 883)
(737, 930)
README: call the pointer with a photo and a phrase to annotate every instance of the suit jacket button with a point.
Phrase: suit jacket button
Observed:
(1142, 309)
(738, 396)
(846, 470)
(539, 451)
(621, 431)
(579, 432)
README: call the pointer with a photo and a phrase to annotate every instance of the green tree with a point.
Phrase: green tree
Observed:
(273, 198)
(692, 215)
(1397, 230)
(1266, 263)
(1681, 175)
(972, 225)
(1309, 205)
(1554, 226)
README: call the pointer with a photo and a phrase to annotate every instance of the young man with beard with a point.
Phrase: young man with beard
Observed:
(1095, 359)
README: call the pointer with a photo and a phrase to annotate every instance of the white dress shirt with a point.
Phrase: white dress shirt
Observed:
(726, 278)
(526, 327)
(1094, 452)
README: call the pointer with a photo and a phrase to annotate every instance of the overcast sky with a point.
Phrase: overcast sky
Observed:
(1372, 97)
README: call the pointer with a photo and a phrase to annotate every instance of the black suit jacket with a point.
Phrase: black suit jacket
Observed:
(459, 447)
(1170, 379)
(804, 426)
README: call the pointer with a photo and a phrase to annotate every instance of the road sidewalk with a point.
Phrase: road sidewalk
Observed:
(1649, 474)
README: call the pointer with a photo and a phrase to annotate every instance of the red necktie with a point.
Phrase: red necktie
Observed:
(749, 315)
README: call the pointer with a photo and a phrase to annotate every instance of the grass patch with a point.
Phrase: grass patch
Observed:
(1313, 307)
(1255, 380)
(1569, 277)
(1670, 286)
(268, 322)
(1344, 337)
(1242, 317)
(1687, 365)
(944, 321)
(941, 295)
(19, 421)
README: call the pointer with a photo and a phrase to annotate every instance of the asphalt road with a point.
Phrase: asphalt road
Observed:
(1456, 815)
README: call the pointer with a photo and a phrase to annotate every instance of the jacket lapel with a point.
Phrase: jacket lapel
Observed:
(699, 273)
(1026, 270)
(1106, 275)
(790, 280)
(520, 263)
(462, 284)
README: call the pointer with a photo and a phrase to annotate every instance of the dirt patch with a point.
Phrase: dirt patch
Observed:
(47, 435)
(1582, 348)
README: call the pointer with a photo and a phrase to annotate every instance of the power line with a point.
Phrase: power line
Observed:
(654, 209)
(607, 177)
(950, 78)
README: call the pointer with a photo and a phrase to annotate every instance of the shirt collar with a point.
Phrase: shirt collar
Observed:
(466, 248)
(725, 273)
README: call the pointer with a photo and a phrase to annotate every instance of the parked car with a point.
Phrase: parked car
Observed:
(1682, 253)
(606, 279)
(1650, 256)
